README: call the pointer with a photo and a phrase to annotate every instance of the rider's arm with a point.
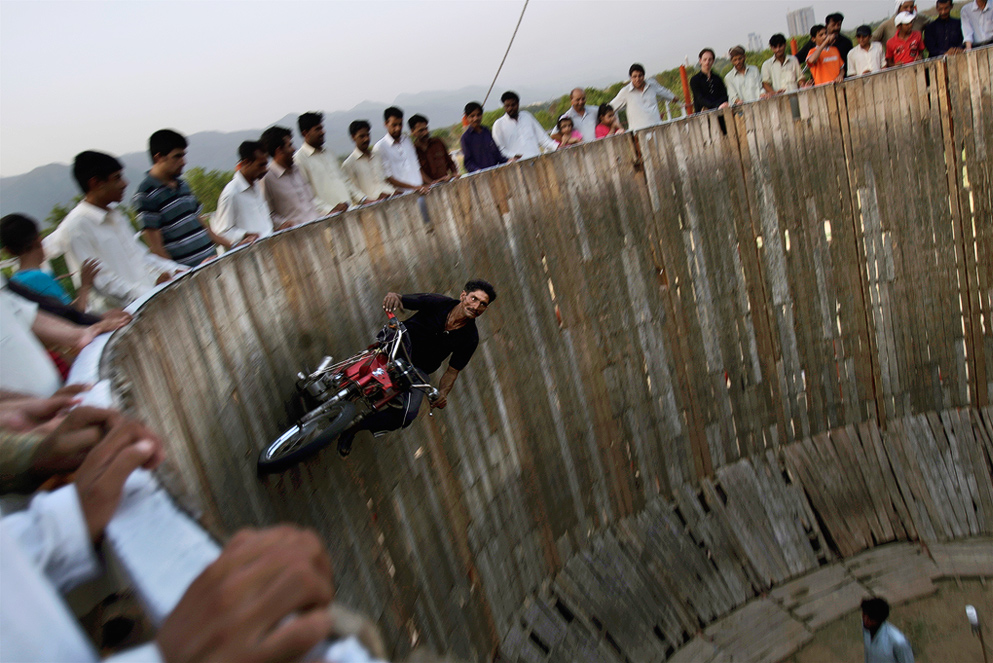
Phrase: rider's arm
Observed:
(445, 386)
(415, 302)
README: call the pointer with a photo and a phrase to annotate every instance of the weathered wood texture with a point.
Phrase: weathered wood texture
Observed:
(811, 268)
(750, 556)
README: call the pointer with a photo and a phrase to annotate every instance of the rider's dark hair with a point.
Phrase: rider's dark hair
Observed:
(480, 284)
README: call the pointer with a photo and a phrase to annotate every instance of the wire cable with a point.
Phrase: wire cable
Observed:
(500, 68)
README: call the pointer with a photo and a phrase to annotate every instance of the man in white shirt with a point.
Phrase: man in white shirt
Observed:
(242, 213)
(94, 230)
(977, 24)
(744, 82)
(884, 643)
(640, 97)
(290, 198)
(867, 56)
(781, 73)
(363, 166)
(333, 191)
(398, 155)
(517, 133)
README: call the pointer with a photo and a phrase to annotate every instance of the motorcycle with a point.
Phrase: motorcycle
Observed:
(340, 395)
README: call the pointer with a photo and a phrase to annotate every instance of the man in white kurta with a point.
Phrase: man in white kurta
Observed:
(398, 155)
(333, 190)
(517, 133)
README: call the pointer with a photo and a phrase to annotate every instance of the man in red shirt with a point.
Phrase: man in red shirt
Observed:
(906, 45)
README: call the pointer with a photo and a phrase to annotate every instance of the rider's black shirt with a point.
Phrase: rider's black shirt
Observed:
(430, 343)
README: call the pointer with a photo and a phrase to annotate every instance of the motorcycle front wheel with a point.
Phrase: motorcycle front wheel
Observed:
(299, 443)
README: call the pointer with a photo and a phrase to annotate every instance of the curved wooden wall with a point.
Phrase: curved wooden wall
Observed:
(671, 303)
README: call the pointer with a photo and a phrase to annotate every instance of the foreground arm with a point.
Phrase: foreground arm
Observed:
(53, 330)
(265, 598)
(445, 386)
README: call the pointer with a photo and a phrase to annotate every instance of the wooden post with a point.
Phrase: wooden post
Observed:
(687, 100)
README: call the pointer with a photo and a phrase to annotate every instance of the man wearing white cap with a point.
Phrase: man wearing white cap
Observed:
(906, 45)
(887, 29)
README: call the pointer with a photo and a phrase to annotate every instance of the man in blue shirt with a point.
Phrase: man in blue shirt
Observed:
(479, 150)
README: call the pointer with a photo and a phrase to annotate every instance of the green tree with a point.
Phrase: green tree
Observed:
(207, 185)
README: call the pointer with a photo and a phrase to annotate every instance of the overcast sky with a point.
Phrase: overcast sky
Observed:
(104, 75)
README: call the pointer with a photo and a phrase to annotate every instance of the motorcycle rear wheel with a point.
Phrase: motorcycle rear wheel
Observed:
(298, 444)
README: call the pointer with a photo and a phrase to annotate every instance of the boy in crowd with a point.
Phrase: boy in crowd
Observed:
(825, 60)
(943, 34)
(479, 150)
(708, 89)
(907, 45)
(363, 166)
(781, 73)
(868, 56)
(96, 230)
(168, 211)
(242, 213)
(20, 237)
(436, 163)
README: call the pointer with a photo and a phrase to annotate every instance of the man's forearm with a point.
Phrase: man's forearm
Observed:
(447, 381)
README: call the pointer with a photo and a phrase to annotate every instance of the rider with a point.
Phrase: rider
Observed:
(441, 327)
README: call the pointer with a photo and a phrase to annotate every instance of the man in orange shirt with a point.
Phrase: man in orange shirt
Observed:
(825, 61)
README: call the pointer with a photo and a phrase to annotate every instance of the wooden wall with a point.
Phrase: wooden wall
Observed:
(670, 303)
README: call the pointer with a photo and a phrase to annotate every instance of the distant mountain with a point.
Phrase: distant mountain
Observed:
(36, 192)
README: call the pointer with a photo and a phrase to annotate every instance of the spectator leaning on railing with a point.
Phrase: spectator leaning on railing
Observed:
(641, 99)
(977, 23)
(781, 73)
(708, 88)
(743, 82)
(290, 198)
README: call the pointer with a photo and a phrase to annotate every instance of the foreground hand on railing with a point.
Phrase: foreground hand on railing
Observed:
(265, 598)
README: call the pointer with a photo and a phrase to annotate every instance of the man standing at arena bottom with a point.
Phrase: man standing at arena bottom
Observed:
(441, 327)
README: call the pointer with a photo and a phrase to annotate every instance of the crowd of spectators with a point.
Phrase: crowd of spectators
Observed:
(43, 430)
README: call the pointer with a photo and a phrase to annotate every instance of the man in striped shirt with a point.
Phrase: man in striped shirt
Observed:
(168, 211)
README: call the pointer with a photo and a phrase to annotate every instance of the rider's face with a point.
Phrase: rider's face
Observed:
(474, 303)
